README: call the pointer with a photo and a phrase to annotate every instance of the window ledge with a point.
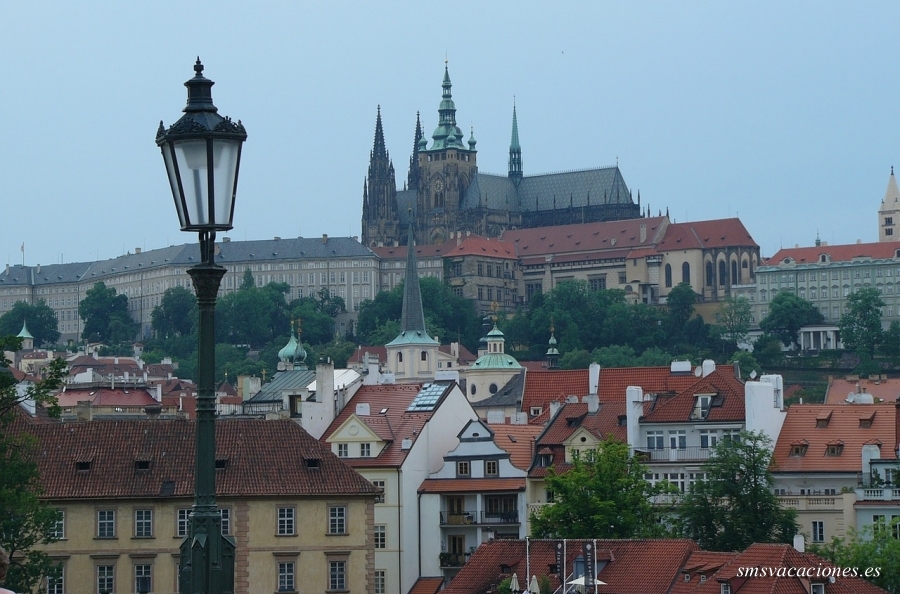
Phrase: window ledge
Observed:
(337, 534)
(285, 535)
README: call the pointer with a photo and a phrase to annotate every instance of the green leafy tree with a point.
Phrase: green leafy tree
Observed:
(615, 356)
(176, 313)
(25, 520)
(735, 505)
(787, 314)
(577, 359)
(860, 326)
(40, 318)
(602, 494)
(679, 309)
(105, 315)
(747, 363)
(890, 343)
(734, 320)
(338, 350)
(875, 546)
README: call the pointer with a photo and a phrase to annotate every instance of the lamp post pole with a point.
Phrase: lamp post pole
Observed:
(202, 152)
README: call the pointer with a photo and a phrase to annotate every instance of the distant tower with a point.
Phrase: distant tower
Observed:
(380, 222)
(412, 178)
(412, 356)
(889, 213)
(515, 151)
(292, 355)
(552, 352)
(27, 338)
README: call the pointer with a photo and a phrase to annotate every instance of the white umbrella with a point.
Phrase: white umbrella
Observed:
(514, 584)
(581, 582)
(534, 588)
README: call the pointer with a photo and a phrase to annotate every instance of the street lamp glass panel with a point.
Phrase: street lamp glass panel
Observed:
(192, 166)
(173, 183)
(225, 159)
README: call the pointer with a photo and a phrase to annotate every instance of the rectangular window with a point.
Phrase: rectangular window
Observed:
(380, 537)
(106, 579)
(106, 523)
(286, 581)
(58, 531)
(143, 523)
(655, 440)
(337, 519)
(365, 450)
(379, 582)
(57, 584)
(285, 521)
(462, 468)
(818, 531)
(343, 450)
(337, 575)
(379, 498)
(142, 578)
(732, 435)
(491, 468)
(183, 521)
(226, 520)
(708, 438)
(622, 278)
(678, 439)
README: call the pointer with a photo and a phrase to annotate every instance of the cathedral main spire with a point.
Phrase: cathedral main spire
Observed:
(447, 134)
(515, 150)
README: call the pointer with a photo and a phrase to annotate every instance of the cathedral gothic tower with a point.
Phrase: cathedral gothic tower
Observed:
(380, 221)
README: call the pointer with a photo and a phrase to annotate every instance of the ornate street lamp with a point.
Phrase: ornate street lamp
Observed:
(202, 153)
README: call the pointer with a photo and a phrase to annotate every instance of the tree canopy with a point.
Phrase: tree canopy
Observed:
(861, 329)
(176, 314)
(875, 546)
(735, 506)
(25, 521)
(734, 320)
(787, 314)
(40, 318)
(602, 494)
(105, 315)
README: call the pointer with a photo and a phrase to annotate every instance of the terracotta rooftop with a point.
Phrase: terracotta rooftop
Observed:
(427, 585)
(706, 234)
(553, 385)
(837, 253)
(476, 245)
(727, 400)
(571, 418)
(472, 485)
(99, 459)
(886, 390)
(395, 425)
(518, 441)
(106, 397)
(819, 424)
(586, 237)
(628, 569)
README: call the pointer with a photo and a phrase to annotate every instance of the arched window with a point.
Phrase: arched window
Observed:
(734, 272)
(399, 357)
(423, 355)
(710, 273)
(668, 275)
(723, 272)
(686, 273)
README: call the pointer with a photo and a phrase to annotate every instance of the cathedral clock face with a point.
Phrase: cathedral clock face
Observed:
(438, 186)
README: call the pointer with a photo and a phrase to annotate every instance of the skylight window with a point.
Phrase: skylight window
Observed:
(426, 400)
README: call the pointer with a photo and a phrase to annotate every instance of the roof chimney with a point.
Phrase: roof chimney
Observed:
(708, 366)
(594, 378)
(324, 238)
(137, 250)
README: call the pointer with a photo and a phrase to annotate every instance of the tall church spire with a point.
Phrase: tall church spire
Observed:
(515, 150)
(412, 317)
(412, 180)
(380, 220)
(447, 134)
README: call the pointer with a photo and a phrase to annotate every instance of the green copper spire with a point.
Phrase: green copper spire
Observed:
(412, 317)
(515, 150)
(447, 134)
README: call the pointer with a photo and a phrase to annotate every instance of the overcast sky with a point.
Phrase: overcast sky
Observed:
(782, 113)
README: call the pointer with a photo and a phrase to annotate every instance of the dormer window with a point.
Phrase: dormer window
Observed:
(83, 465)
(798, 448)
(312, 463)
(221, 463)
(823, 419)
(725, 589)
(701, 407)
(834, 448)
(702, 578)
(536, 411)
(142, 465)
(817, 589)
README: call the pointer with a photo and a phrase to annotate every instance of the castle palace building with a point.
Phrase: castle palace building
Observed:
(444, 192)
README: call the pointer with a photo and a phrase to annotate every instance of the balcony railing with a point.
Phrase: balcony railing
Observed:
(482, 518)
(452, 559)
(689, 453)
(811, 502)
(888, 493)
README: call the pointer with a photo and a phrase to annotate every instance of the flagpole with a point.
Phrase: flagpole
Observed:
(23, 254)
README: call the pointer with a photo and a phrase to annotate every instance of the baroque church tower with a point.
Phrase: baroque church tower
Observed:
(445, 172)
(380, 223)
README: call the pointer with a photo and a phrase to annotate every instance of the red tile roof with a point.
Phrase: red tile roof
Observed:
(633, 567)
(427, 585)
(518, 441)
(472, 485)
(843, 424)
(886, 390)
(545, 386)
(254, 467)
(716, 233)
(837, 253)
(106, 397)
(394, 426)
(679, 407)
(586, 237)
(653, 380)
(571, 418)
(475, 245)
